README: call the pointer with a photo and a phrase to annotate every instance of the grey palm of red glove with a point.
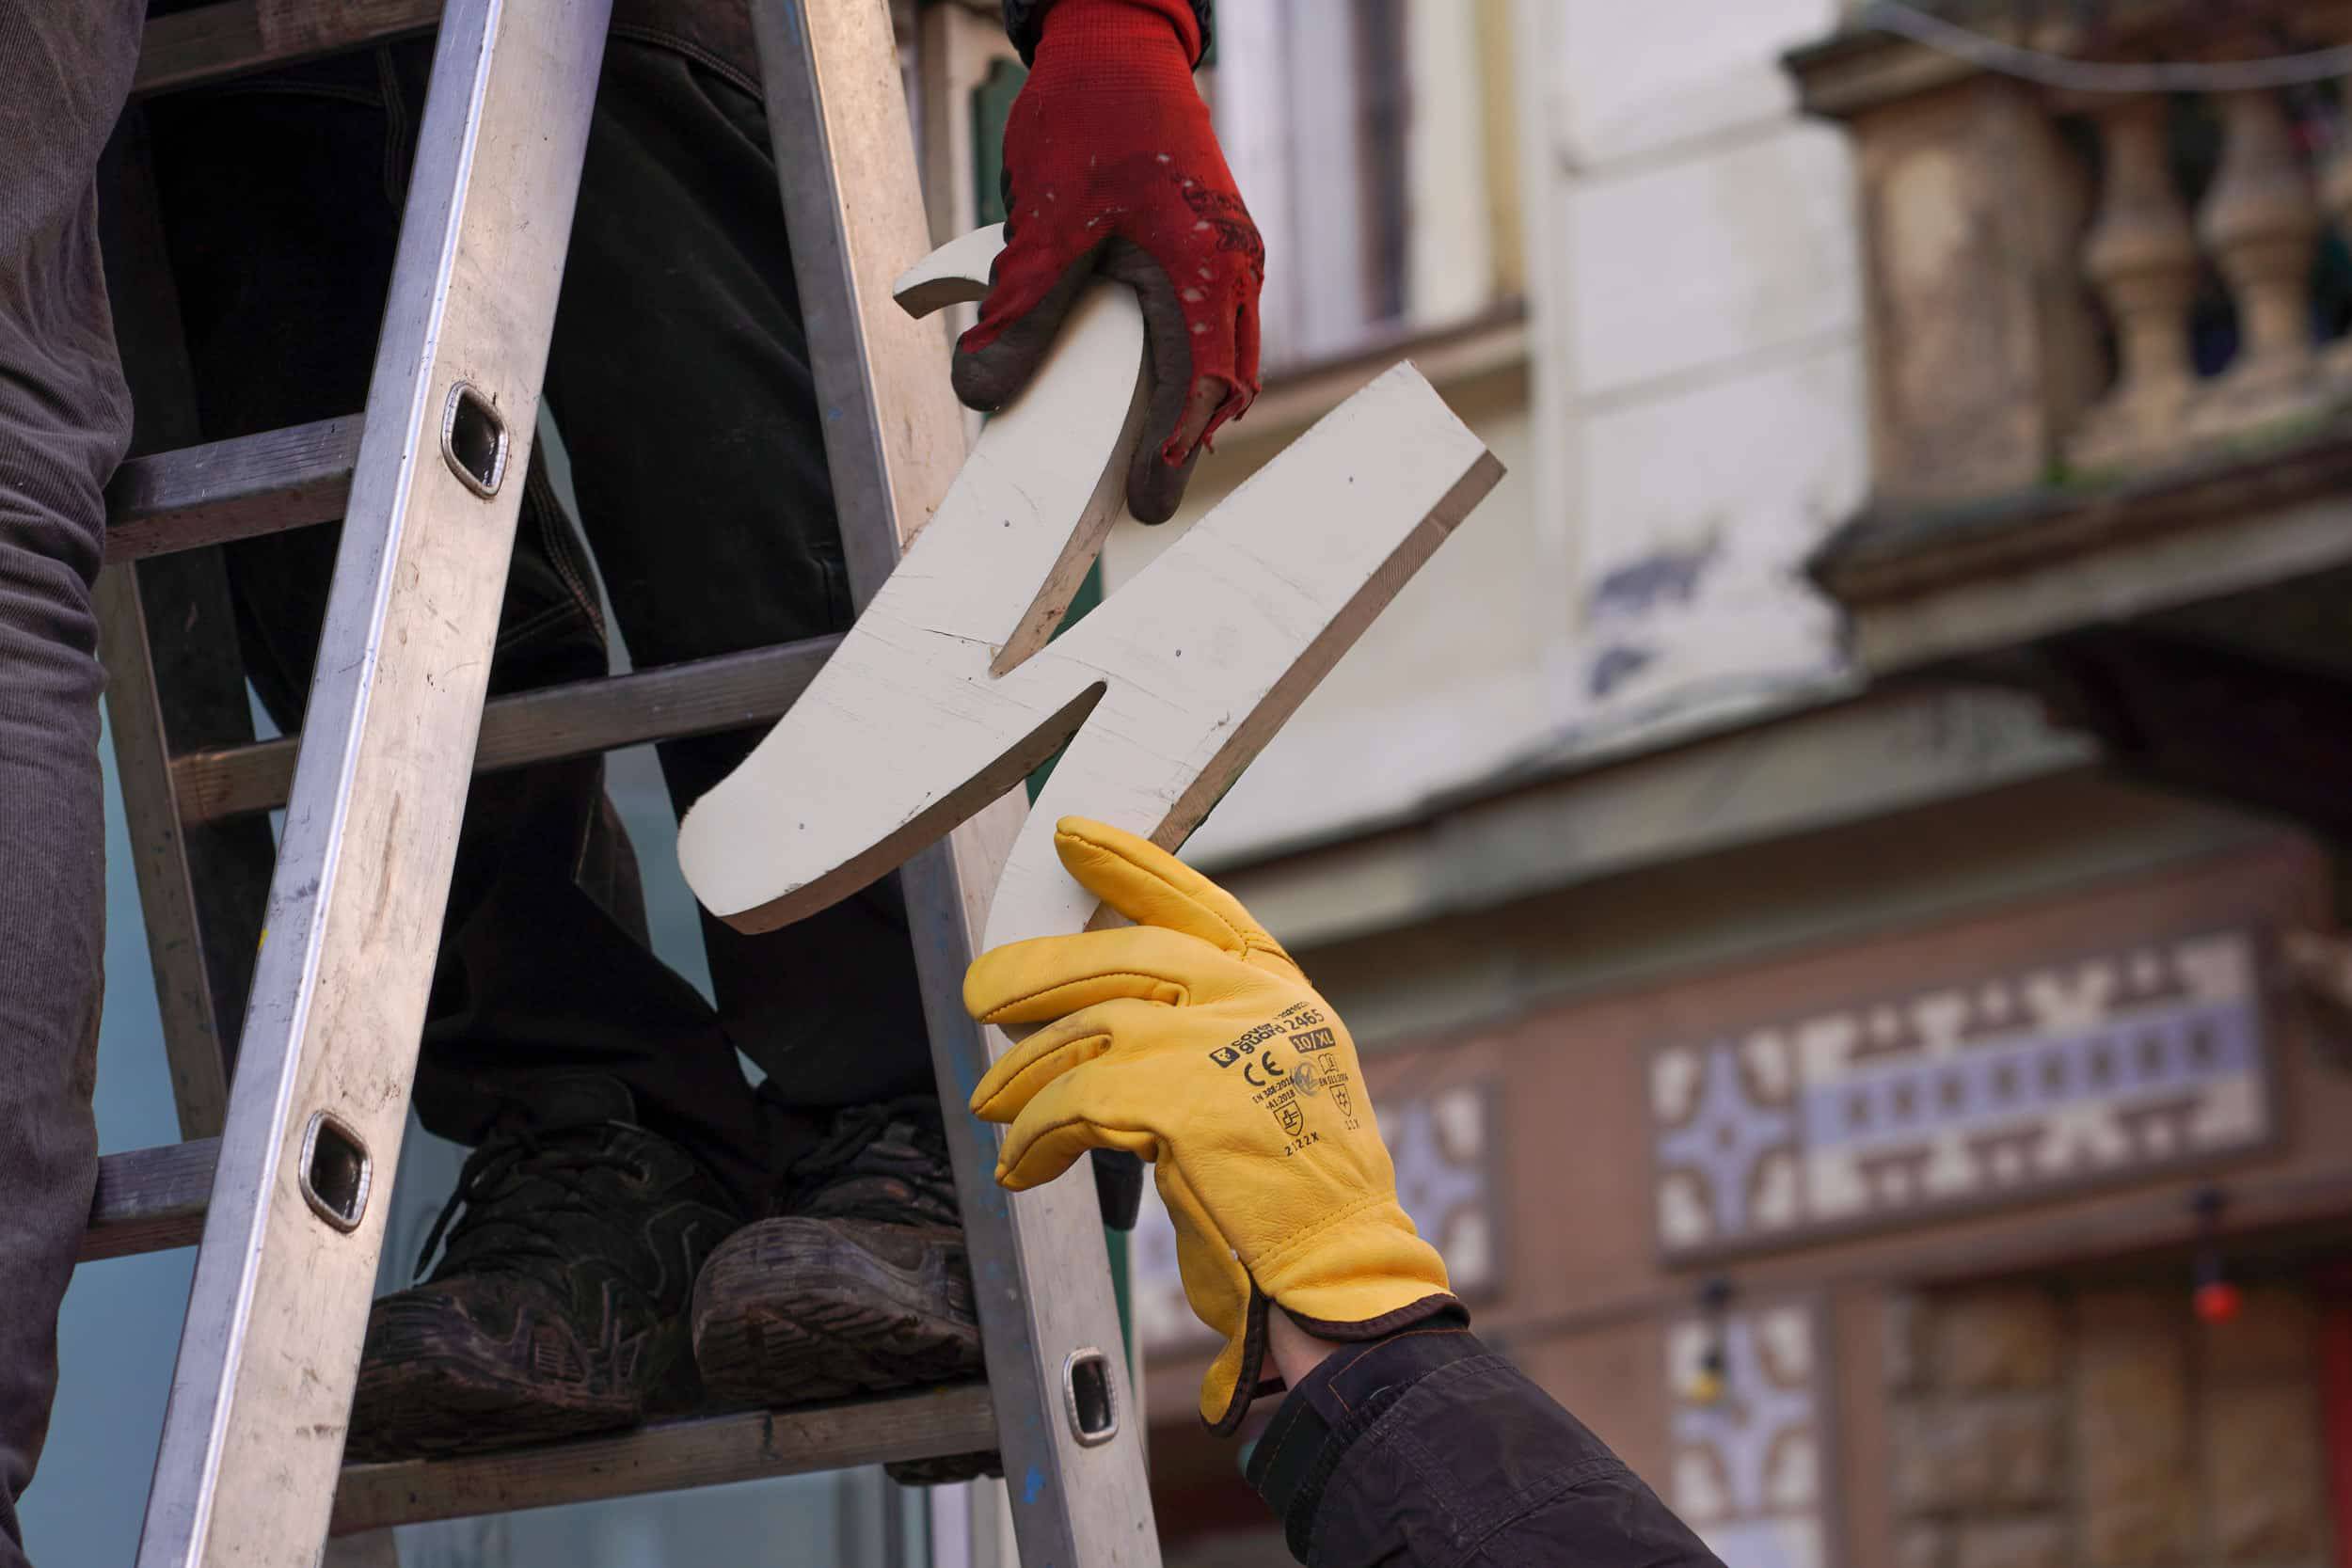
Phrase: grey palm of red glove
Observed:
(1112, 168)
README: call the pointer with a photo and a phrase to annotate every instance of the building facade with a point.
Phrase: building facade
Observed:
(1833, 869)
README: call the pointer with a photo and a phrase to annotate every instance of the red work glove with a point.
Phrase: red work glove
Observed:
(1112, 168)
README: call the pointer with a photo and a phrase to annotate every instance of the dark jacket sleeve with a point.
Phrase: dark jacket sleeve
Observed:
(1428, 1448)
(1024, 17)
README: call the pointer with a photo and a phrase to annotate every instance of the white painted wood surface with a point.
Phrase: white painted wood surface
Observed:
(943, 696)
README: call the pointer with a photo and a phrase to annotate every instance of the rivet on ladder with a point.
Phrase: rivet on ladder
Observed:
(1090, 1398)
(473, 440)
(335, 1170)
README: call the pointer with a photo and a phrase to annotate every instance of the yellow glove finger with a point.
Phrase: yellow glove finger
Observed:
(1152, 887)
(1046, 977)
(1017, 1076)
(1105, 1103)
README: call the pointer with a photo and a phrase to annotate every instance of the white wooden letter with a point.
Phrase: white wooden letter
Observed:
(945, 694)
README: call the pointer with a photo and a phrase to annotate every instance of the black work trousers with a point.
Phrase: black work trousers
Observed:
(679, 380)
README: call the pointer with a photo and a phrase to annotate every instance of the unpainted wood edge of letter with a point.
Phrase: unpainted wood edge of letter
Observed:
(927, 827)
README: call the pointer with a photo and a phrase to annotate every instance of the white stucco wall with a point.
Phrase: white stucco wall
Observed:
(1701, 358)
(1692, 424)
(1446, 685)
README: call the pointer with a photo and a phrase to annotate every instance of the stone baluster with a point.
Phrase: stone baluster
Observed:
(2261, 221)
(2141, 256)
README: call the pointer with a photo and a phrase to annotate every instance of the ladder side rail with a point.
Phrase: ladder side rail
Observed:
(193, 1045)
(893, 439)
(253, 1435)
(201, 689)
(175, 678)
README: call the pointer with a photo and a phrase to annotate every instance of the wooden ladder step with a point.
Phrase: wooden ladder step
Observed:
(701, 697)
(150, 1199)
(223, 490)
(235, 37)
(669, 1456)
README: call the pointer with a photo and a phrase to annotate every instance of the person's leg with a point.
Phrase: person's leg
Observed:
(680, 378)
(615, 1137)
(65, 420)
(283, 207)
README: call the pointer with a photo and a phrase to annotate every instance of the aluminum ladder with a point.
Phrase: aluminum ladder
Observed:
(287, 1158)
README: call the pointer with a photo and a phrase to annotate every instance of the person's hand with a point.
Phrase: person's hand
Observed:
(1193, 1042)
(1112, 168)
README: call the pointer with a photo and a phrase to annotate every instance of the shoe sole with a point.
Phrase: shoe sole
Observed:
(411, 1413)
(792, 1311)
(431, 1386)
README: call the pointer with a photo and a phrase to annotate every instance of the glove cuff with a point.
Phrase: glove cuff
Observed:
(1355, 1330)
(1250, 1378)
(1223, 1404)
(1109, 25)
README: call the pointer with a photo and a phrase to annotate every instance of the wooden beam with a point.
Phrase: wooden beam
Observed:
(1934, 586)
(224, 490)
(2206, 719)
(1903, 553)
(195, 45)
(238, 36)
(150, 1199)
(2081, 1231)
(703, 697)
(670, 1456)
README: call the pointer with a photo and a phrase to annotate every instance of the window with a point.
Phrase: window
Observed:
(1371, 139)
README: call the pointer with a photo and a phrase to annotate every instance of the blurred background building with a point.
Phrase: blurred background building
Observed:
(1832, 867)
(1819, 863)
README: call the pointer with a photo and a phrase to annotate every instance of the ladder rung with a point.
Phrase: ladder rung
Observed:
(281, 479)
(236, 37)
(702, 697)
(669, 1456)
(150, 1199)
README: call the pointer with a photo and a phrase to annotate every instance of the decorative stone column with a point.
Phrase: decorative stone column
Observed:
(2141, 255)
(1981, 338)
(2261, 221)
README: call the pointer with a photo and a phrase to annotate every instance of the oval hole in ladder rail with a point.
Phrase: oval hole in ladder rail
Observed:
(335, 1171)
(1089, 1399)
(473, 440)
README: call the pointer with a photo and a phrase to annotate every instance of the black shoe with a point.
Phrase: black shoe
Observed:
(858, 1285)
(559, 1305)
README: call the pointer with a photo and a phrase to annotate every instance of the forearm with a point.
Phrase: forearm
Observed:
(1428, 1448)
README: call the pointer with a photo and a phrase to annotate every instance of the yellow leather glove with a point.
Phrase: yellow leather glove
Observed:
(1193, 1040)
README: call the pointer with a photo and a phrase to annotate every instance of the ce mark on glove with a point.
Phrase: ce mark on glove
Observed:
(1281, 1081)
